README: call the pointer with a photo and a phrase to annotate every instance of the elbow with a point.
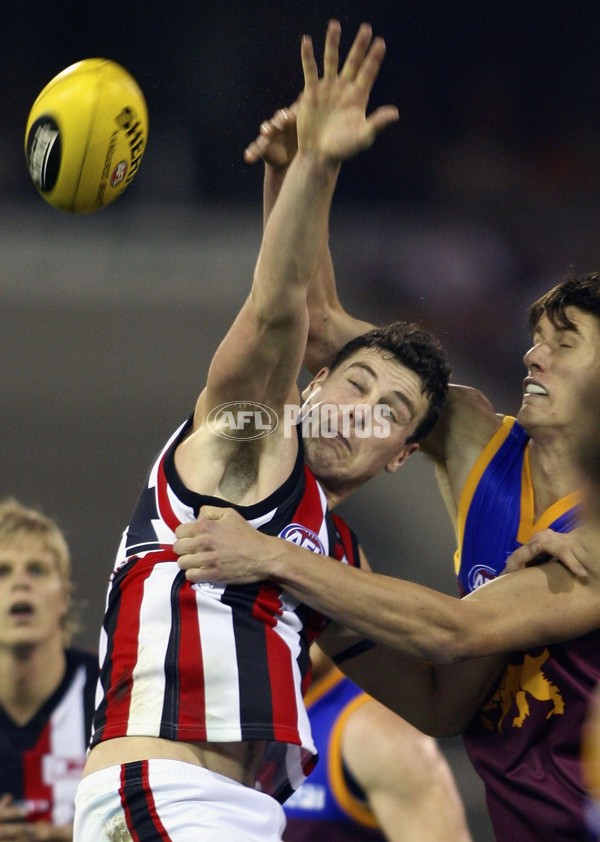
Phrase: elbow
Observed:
(450, 646)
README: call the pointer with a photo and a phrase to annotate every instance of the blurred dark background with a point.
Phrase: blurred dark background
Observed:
(461, 214)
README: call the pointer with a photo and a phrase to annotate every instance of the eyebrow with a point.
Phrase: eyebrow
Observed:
(399, 395)
(538, 333)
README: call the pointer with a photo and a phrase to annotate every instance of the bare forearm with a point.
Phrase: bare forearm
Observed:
(273, 181)
(426, 624)
(421, 622)
(330, 326)
(532, 607)
(295, 235)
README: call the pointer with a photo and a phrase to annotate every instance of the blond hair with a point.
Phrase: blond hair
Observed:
(19, 521)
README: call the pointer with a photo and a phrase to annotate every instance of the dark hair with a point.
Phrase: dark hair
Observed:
(418, 350)
(581, 291)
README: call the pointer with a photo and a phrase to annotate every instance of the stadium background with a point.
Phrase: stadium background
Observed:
(473, 204)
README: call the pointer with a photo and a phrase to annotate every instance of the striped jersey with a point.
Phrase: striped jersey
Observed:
(208, 662)
(41, 762)
(330, 804)
(525, 741)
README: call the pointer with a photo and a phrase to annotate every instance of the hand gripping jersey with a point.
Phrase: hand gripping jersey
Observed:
(208, 662)
(525, 742)
(331, 805)
(41, 762)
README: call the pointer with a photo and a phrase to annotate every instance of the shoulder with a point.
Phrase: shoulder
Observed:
(469, 414)
(467, 424)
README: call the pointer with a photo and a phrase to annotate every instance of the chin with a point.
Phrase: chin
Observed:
(523, 414)
(320, 457)
(27, 637)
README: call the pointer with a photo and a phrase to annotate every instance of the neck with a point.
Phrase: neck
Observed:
(28, 677)
(552, 471)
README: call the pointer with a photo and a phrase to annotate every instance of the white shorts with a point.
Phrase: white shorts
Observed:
(172, 801)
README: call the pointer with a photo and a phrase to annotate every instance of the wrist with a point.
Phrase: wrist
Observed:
(272, 562)
(318, 163)
(284, 562)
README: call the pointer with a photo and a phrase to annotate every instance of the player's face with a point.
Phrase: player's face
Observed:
(358, 418)
(559, 365)
(33, 596)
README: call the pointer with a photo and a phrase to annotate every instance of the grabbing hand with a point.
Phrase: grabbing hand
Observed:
(575, 550)
(332, 121)
(221, 547)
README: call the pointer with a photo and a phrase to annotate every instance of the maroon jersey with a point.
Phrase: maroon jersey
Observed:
(526, 742)
(213, 662)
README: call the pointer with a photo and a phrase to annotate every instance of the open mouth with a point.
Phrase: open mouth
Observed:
(21, 610)
(535, 389)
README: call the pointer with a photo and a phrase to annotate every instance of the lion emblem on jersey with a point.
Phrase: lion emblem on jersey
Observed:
(521, 684)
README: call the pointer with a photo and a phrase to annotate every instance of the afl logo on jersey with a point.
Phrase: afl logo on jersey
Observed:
(479, 575)
(302, 537)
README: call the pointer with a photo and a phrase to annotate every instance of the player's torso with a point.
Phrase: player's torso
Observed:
(224, 664)
(525, 741)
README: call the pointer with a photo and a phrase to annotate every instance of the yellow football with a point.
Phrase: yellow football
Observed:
(86, 135)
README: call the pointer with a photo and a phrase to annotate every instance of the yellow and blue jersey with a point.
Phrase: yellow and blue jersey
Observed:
(496, 511)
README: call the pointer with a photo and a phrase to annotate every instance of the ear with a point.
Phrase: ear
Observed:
(401, 458)
(314, 384)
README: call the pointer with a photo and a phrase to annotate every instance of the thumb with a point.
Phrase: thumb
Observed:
(381, 118)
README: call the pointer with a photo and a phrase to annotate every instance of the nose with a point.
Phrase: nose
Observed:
(535, 357)
(20, 579)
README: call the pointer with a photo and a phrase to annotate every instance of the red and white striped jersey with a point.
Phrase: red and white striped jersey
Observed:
(208, 662)
(41, 762)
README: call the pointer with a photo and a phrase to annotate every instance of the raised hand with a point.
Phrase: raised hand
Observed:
(332, 120)
(277, 141)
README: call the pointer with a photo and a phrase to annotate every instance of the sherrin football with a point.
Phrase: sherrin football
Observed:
(86, 135)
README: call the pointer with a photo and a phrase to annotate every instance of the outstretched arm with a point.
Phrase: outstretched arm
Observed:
(437, 698)
(330, 326)
(532, 607)
(469, 420)
(332, 126)
(261, 355)
(553, 604)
